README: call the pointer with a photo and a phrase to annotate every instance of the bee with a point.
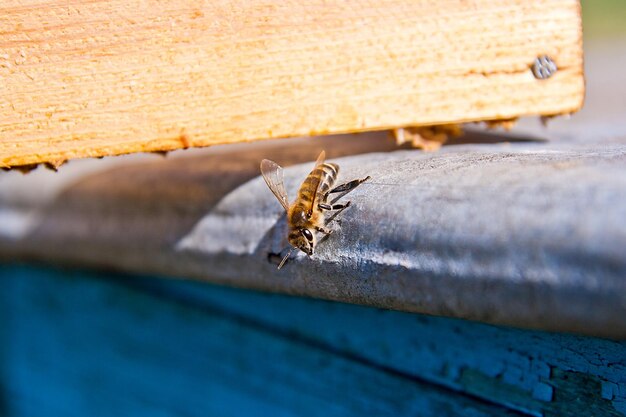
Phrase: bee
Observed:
(306, 216)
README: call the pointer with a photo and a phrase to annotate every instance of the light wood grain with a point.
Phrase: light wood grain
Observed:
(108, 77)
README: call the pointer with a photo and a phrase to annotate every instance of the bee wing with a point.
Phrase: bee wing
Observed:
(320, 160)
(273, 176)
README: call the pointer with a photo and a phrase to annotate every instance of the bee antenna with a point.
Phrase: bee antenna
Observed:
(285, 258)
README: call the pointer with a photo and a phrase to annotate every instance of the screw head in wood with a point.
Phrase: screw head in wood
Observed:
(543, 67)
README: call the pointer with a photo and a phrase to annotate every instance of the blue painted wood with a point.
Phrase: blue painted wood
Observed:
(77, 343)
(525, 370)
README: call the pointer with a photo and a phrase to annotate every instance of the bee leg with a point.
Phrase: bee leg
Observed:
(335, 216)
(325, 206)
(323, 230)
(348, 186)
(326, 232)
(345, 188)
(280, 265)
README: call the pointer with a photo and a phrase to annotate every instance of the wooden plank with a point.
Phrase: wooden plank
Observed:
(107, 77)
(79, 345)
(80, 342)
(534, 372)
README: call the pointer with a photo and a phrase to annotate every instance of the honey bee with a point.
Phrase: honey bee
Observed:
(306, 216)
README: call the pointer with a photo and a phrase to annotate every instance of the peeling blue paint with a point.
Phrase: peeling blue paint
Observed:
(543, 392)
(86, 342)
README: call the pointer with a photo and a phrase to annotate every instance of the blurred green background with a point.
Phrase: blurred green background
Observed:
(604, 18)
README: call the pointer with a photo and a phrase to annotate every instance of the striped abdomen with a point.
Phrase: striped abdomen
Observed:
(327, 175)
(302, 213)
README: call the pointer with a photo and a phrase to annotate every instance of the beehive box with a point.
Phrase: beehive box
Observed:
(108, 77)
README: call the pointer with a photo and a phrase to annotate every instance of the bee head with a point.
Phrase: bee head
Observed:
(303, 239)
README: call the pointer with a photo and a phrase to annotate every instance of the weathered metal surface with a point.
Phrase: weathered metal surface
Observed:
(525, 234)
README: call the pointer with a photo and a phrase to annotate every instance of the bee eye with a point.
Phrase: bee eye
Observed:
(307, 234)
